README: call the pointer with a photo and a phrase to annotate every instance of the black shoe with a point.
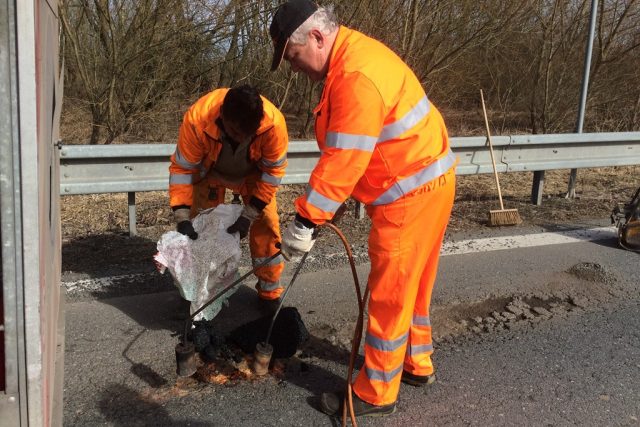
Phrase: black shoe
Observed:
(331, 404)
(418, 380)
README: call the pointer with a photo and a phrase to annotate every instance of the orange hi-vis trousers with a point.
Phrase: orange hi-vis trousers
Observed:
(263, 234)
(404, 247)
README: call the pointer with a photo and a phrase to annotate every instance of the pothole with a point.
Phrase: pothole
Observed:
(592, 272)
(503, 313)
(228, 360)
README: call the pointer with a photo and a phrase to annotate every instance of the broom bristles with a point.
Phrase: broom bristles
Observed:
(504, 217)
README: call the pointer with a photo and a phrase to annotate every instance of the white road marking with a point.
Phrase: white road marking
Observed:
(98, 283)
(449, 248)
(528, 240)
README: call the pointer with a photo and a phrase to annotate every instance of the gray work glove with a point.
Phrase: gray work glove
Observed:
(183, 222)
(298, 238)
(250, 212)
(300, 235)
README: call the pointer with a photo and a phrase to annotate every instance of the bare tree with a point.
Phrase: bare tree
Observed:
(616, 62)
(134, 63)
(127, 56)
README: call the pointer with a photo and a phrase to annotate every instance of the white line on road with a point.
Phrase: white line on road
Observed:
(449, 248)
(97, 283)
(528, 240)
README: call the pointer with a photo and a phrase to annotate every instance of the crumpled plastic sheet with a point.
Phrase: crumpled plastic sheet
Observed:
(203, 267)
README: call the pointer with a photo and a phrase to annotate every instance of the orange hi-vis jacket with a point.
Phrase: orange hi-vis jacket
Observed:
(380, 138)
(199, 144)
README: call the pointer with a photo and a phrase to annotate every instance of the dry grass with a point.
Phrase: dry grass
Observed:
(598, 190)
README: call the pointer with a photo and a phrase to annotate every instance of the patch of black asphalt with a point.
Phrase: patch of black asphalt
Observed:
(575, 370)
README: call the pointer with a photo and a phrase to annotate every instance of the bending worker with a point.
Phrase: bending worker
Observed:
(386, 145)
(235, 139)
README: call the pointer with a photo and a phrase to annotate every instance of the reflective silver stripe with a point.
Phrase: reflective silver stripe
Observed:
(277, 260)
(270, 179)
(408, 121)
(278, 162)
(409, 184)
(421, 320)
(386, 376)
(268, 286)
(180, 178)
(414, 350)
(184, 163)
(321, 202)
(347, 141)
(386, 345)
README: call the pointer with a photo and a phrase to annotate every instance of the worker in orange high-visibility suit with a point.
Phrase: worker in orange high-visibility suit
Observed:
(234, 139)
(386, 145)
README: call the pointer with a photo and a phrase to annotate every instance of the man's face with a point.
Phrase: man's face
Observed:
(309, 58)
(235, 131)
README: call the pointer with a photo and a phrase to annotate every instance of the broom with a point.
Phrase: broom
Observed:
(502, 216)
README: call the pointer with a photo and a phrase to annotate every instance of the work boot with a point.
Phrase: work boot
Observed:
(417, 380)
(331, 404)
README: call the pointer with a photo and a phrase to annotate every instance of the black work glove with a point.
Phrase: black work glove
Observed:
(183, 223)
(186, 228)
(249, 213)
(241, 226)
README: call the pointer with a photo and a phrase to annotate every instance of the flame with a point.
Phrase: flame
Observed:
(224, 372)
(278, 369)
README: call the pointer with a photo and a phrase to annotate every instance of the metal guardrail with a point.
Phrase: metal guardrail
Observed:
(94, 169)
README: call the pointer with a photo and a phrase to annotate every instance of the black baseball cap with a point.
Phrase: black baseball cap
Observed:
(288, 18)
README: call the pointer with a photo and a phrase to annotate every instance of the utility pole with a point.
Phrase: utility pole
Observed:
(571, 191)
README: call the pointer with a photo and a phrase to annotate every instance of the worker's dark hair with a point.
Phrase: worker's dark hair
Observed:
(243, 106)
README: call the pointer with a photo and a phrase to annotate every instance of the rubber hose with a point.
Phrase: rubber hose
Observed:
(357, 334)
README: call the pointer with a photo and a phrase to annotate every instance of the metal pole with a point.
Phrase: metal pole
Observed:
(13, 393)
(538, 184)
(571, 192)
(359, 210)
(131, 200)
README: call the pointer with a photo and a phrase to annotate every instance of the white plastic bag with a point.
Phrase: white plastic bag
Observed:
(203, 267)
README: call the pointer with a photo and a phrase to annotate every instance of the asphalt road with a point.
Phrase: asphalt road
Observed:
(537, 335)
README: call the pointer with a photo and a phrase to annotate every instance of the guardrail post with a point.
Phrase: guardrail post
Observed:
(132, 213)
(359, 211)
(536, 189)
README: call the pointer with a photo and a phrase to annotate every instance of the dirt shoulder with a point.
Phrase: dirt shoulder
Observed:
(95, 227)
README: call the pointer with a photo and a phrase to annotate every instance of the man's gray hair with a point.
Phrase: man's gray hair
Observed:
(322, 19)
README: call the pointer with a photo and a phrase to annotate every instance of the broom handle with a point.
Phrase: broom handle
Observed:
(493, 161)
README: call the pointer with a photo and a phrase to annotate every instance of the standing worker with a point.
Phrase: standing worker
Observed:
(386, 145)
(236, 139)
